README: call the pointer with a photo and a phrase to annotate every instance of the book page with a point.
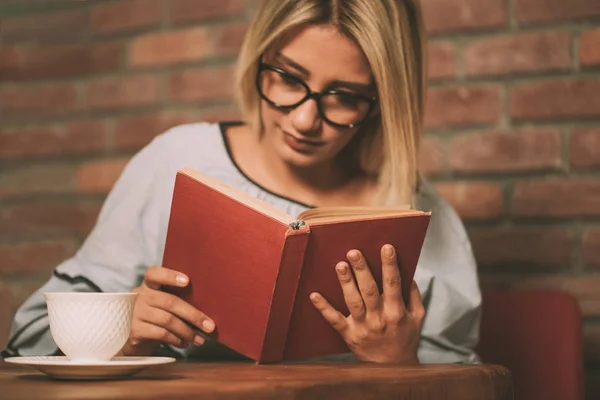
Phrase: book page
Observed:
(331, 214)
(317, 214)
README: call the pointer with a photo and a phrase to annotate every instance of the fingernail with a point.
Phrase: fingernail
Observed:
(353, 255)
(181, 279)
(198, 340)
(208, 325)
(313, 297)
(342, 269)
(388, 251)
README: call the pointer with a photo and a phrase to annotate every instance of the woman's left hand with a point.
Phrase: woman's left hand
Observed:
(380, 328)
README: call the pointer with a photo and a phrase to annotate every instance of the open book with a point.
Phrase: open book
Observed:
(252, 267)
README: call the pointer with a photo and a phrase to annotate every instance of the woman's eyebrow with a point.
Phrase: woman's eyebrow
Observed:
(292, 64)
(357, 86)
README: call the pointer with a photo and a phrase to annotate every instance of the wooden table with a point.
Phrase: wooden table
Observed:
(240, 381)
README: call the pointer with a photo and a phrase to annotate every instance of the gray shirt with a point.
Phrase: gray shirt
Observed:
(130, 233)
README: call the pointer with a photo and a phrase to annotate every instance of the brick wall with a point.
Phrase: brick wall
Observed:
(513, 128)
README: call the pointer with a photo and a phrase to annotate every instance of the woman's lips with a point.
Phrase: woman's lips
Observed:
(301, 145)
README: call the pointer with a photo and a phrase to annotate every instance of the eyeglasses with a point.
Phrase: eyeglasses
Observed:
(285, 91)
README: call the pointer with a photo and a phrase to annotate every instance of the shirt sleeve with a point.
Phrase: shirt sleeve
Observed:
(113, 257)
(447, 279)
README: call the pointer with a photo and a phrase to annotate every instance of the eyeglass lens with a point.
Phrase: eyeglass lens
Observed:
(286, 91)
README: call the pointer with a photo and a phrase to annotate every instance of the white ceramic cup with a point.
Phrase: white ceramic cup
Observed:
(90, 327)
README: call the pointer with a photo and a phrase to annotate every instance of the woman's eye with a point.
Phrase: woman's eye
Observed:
(290, 81)
(348, 101)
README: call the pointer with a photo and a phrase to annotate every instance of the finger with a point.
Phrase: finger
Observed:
(366, 284)
(392, 288)
(181, 309)
(331, 315)
(173, 324)
(158, 276)
(143, 331)
(352, 296)
(415, 307)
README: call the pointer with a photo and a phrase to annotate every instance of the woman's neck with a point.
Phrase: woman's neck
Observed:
(330, 183)
(322, 177)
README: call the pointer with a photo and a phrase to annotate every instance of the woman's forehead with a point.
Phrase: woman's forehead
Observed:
(323, 50)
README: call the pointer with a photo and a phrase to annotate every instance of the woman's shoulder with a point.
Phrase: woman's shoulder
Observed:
(198, 145)
(191, 137)
(444, 217)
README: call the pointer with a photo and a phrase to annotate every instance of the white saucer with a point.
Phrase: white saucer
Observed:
(59, 367)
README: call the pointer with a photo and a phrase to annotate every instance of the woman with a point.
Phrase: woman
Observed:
(332, 96)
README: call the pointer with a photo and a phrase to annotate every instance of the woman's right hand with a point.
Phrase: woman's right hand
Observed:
(158, 317)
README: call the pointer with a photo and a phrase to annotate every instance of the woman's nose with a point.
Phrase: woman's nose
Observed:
(305, 118)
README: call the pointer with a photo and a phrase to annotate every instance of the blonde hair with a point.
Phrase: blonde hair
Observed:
(392, 36)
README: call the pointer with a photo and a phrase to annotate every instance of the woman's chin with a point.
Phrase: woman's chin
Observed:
(300, 159)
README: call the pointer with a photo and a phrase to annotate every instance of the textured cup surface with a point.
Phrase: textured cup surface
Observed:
(90, 327)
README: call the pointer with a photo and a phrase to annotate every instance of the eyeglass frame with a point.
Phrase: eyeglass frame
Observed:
(311, 95)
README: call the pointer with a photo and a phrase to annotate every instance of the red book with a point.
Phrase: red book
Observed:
(252, 267)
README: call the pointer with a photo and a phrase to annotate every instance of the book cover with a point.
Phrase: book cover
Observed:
(252, 267)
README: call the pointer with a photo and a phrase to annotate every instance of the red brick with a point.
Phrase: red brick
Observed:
(126, 15)
(585, 147)
(37, 179)
(10, 61)
(38, 219)
(202, 84)
(128, 91)
(473, 200)
(506, 151)
(171, 47)
(43, 100)
(99, 176)
(521, 52)
(555, 10)
(590, 251)
(72, 24)
(192, 10)
(136, 131)
(230, 38)
(456, 15)
(74, 138)
(6, 313)
(222, 114)
(557, 197)
(461, 106)
(34, 258)
(522, 249)
(583, 287)
(441, 59)
(65, 61)
(93, 133)
(431, 157)
(589, 48)
(556, 99)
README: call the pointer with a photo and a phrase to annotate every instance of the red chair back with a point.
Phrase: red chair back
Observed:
(537, 335)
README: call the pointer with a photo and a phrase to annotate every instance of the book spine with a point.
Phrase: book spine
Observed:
(284, 293)
(297, 225)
